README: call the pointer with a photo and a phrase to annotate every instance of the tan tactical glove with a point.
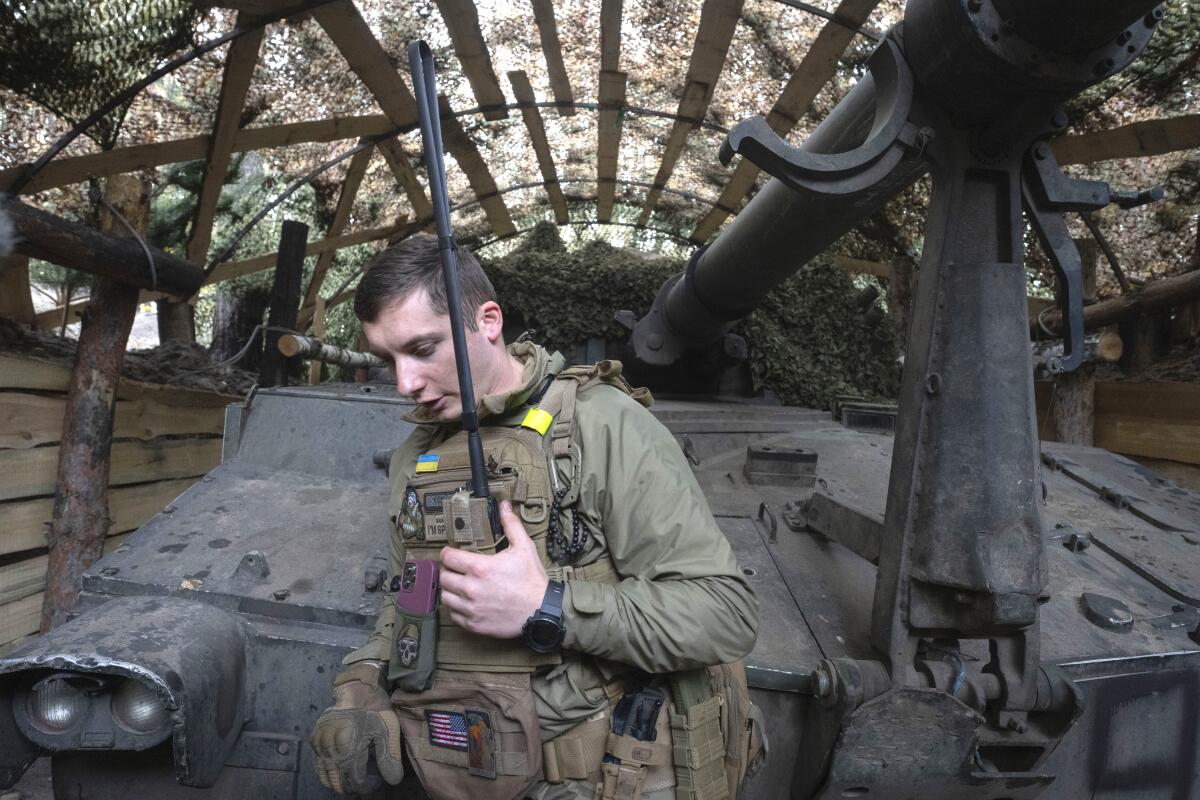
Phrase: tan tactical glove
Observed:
(360, 721)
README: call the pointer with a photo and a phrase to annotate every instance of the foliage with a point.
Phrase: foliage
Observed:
(72, 56)
(808, 342)
(571, 295)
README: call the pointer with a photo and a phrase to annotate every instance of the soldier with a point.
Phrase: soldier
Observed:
(614, 575)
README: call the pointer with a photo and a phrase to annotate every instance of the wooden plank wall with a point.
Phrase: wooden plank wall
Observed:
(165, 439)
(1152, 420)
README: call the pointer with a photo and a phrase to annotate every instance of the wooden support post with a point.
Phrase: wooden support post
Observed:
(285, 301)
(1089, 254)
(318, 329)
(15, 301)
(1146, 338)
(81, 518)
(1075, 405)
(176, 320)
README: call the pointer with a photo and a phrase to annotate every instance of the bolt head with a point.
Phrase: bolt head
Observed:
(654, 341)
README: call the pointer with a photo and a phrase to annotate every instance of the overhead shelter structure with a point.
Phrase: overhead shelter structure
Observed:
(611, 114)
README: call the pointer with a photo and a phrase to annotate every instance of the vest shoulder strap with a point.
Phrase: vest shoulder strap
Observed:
(559, 399)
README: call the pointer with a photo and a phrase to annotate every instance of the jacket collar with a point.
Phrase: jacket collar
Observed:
(539, 364)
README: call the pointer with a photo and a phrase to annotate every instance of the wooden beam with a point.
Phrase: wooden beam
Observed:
(79, 247)
(862, 266)
(610, 35)
(370, 62)
(16, 302)
(397, 160)
(1155, 420)
(560, 84)
(234, 269)
(612, 98)
(718, 20)
(239, 68)
(30, 420)
(129, 506)
(817, 68)
(1157, 295)
(463, 148)
(462, 21)
(523, 91)
(350, 184)
(66, 171)
(1138, 139)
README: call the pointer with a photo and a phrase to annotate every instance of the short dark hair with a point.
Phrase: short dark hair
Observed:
(415, 264)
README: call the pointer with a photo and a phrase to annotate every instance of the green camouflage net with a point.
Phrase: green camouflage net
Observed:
(809, 341)
(72, 56)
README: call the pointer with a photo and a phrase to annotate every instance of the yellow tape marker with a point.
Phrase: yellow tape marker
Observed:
(537, 420)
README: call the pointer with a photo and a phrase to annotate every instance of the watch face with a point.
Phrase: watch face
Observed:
(543, 635)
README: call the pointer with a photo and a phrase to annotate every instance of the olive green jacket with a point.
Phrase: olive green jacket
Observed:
(681, 603)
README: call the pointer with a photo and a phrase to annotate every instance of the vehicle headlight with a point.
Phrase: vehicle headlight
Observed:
(54, 704)
(137, 708)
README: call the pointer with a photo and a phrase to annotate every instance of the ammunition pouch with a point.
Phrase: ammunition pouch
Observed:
(708, 739)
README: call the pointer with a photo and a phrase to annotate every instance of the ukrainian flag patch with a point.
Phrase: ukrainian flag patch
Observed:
(537, 420)
(427, 462)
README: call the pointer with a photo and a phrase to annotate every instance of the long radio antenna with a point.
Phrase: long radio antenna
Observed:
(424, 78)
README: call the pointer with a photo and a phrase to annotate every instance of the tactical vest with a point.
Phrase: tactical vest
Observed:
(474, 731)
(519, 463)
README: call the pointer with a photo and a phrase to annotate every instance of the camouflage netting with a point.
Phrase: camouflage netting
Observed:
(72, 56)
(808, 342)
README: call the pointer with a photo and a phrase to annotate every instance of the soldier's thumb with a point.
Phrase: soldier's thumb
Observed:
(514, 529)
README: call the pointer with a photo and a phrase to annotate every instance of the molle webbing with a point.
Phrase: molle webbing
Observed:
(520, 459)
(697, 738)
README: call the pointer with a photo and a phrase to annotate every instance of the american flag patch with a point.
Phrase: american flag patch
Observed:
(447, 729)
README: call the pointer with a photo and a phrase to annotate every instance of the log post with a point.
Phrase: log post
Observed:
(1089, 254)
(81, 520)
(1146, 338)
(176, 321)
(1074, 405)
(318, 331)
(285, 301)
(15, 301)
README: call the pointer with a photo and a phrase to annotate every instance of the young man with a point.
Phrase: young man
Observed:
(653, 585)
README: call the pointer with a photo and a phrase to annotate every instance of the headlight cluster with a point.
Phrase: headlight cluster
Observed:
(57, 703)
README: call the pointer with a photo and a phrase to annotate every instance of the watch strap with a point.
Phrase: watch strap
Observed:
(552, 600)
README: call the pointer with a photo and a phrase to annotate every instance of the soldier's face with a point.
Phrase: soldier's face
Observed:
(415, 341)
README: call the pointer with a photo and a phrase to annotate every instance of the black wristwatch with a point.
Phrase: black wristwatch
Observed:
(544, 631)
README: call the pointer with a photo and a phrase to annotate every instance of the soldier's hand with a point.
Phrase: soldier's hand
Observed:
(360, 722)
(493, 595)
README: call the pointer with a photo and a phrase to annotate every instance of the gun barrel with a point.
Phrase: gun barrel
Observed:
(776, 234)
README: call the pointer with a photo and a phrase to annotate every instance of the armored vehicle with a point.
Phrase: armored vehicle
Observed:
(949, 608)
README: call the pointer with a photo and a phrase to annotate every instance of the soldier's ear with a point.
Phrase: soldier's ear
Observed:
(489, 319)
